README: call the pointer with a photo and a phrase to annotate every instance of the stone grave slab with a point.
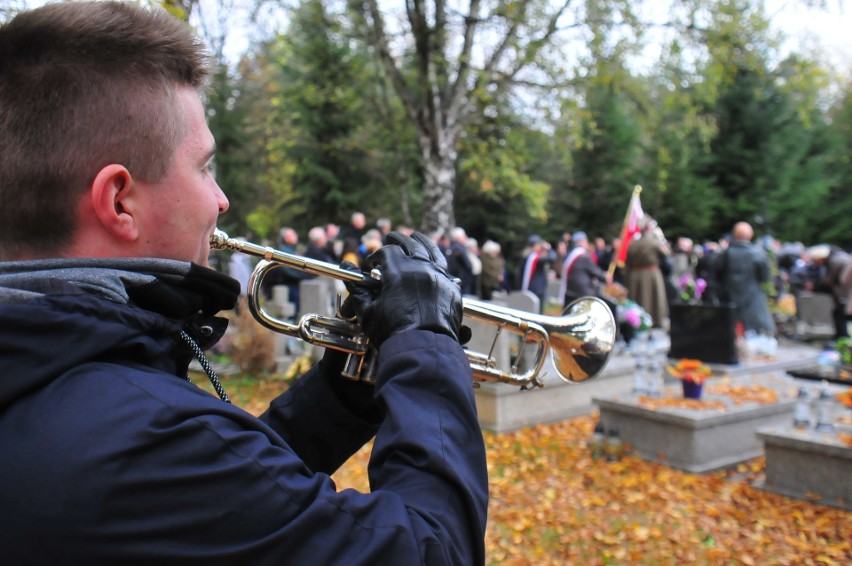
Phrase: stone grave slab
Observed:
(699, 440)
(841, 376)
(281, 305)
(789, 355)
(808, 464)
(523, 301)
(504, 408)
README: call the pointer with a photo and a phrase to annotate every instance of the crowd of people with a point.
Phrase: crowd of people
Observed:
(735, 269)
(754, 273)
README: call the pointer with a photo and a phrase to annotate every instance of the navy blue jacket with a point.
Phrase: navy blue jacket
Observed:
(110, 456)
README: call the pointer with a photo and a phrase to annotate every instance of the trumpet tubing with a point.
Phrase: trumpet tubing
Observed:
(579, 342)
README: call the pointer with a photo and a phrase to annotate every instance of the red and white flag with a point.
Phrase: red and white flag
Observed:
(631, 228)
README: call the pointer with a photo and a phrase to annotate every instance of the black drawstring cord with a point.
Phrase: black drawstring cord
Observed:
(205, 364)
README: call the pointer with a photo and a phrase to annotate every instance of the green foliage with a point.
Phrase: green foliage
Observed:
(677, 144)
(765, 160)
(180, 9)
(325, 112)
(498, 196)
(322, 110)
(605, 163)
(229, 120)
(311, 127)
(263, 221)
(605, 153)
(839, 228)
(844, 346)
(321, 136)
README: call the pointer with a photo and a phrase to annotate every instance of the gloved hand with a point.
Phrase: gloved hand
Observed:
(415, 291)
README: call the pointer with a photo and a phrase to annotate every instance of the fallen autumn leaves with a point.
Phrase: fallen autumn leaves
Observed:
(553, 504)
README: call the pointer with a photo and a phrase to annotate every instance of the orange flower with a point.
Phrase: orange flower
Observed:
(690, 370)
(688, 364)
(845, 398)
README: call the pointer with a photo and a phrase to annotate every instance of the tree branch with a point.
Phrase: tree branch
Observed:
(376, 29)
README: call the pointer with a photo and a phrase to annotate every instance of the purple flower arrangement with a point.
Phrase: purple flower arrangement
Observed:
(691, 288)
(633, 315)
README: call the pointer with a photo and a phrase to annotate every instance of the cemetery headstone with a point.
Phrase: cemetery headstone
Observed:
(524, 301)
(813, 315)
(484, 339)
(315, 297)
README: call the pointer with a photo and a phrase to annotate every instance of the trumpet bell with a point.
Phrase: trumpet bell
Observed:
(582, 339)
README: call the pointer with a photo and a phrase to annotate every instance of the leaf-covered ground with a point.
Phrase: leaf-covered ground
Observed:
(553, 503)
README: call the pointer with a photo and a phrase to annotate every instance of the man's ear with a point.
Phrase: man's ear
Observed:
(111, 199)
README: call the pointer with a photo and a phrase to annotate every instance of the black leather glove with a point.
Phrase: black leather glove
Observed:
(415, 291)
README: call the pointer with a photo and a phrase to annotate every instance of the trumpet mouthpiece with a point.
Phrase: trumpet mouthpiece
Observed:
(219, 240)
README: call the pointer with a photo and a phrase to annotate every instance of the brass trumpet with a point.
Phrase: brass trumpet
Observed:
(580, 341)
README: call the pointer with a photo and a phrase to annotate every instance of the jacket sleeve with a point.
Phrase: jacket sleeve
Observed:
(427, 468)
(427, 471)
(324, 417)
(429, 450)
(596, 272)
(168, 473)
(846, 274)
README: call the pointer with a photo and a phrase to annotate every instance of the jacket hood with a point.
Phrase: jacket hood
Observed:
(58, 314)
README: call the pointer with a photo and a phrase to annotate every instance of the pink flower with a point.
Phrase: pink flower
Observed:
(633, 318)
(700, 286)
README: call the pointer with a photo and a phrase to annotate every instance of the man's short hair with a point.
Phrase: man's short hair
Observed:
(316, 234)
(819, 252)
(458, 234)
(84, 85)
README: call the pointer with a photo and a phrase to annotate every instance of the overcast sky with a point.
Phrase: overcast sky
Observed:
(806, 27)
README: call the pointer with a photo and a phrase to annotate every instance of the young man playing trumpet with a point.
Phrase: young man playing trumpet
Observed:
(110, 455)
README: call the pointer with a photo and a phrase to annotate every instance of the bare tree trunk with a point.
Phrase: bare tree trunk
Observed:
(438, 96)
(439, 186)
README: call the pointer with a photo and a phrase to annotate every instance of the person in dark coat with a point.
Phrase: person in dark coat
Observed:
(831, 262)
(288, 276)
(110, 454)
(741, 270)
(351, 236)
(458, 260)
(705, 268)
(535, 267)
(580, 276)
(318, 245)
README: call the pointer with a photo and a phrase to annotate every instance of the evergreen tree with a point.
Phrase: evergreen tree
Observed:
(676, 145)
(838, 228)
(227, 110)
(324, 110)
(500, 195)
(605, 164)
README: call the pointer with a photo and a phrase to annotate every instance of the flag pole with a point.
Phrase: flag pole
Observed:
(636, 191)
